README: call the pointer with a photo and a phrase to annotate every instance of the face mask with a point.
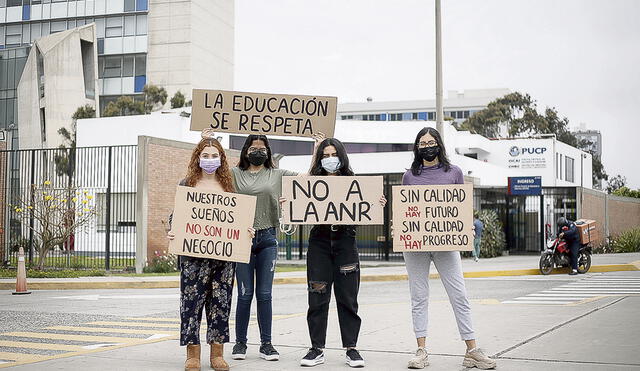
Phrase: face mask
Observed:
(257, 158)
(210, 165)
(330, 164)
(429, 153)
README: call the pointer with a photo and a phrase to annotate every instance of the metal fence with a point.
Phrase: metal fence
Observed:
(104, 176)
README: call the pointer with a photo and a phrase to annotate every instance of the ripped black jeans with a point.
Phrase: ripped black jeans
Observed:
(332, 259)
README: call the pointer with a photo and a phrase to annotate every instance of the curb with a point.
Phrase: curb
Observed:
(634, 266)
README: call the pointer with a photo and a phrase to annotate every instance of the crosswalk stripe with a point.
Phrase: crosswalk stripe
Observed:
(22, 357)
(134, 324)
(155, 319)
(560, 298)
(553, 293)
(47, 335)
(27, 344)
(535, 302)
(110, 329)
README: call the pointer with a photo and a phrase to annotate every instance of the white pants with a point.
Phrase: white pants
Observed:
(449, 266)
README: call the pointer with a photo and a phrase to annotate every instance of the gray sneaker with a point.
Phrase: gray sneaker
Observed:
(420, 359)
(476, 358)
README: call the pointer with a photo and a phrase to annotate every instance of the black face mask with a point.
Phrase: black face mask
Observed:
(257, 158)
(429, 153)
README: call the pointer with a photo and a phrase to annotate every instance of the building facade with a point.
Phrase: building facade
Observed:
(458, 106)
(59, 76)
(176, 44)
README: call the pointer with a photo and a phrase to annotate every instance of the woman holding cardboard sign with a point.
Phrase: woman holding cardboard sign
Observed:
(257, 175)
(206, 283)
(332, 260)
(431, 167)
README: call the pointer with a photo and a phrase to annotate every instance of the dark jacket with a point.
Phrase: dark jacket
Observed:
(572, 234)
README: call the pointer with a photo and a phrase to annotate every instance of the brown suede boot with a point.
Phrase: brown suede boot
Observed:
(217, 362)
(193, 358)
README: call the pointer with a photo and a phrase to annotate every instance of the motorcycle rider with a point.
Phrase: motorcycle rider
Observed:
(572, 237)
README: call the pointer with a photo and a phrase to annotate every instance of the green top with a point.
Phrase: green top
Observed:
(266, 184)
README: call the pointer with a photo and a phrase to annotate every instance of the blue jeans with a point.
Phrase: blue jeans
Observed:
(264, 252)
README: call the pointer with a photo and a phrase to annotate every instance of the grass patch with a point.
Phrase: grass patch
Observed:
(32, 273)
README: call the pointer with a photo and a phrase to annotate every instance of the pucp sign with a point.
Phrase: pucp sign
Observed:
(527, 157)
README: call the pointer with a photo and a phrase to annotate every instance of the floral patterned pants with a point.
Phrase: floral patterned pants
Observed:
(208, 284)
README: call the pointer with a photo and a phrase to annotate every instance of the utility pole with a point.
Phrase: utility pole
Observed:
(439, 108)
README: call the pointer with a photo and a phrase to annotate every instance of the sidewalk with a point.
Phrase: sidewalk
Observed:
(515, 265)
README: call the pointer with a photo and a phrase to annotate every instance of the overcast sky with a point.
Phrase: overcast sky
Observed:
(582, 57)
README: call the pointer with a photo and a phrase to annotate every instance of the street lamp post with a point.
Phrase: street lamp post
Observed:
(439, 108)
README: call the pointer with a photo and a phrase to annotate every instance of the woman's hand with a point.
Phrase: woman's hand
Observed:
(252, 232)
(171, 235)
(318, 137)
(383, 201)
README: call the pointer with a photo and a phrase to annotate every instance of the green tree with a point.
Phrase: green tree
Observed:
(516, 114)
(154, 95)
(626, 192)
(615, 183)
(124, 106)
(178, 100)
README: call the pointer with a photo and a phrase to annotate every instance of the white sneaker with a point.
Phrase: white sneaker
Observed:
(420, 360)
(476, 259)
(476, 358)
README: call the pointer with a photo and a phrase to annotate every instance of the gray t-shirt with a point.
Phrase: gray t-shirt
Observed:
(266, 185)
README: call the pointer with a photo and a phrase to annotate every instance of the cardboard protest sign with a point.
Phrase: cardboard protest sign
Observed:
(268, 114)
(332, 200)
(433, 218)
(212, 224)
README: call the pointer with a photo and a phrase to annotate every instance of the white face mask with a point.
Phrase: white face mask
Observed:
(330, 164)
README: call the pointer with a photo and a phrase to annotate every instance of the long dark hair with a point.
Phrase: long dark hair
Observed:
(416, 165)
(244, 162)
(345, 169)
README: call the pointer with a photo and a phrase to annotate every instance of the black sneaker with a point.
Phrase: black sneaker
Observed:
(239, 351)
(573, 272)
(314, 357)
(354, 359)
(268, 352)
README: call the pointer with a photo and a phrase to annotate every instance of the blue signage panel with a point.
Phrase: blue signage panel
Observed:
(525, 185)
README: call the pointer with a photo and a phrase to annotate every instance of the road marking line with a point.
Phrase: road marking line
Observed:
(110, 329)
(134, 324)
(550, 298)
(101, 339)
(154, 319)
(27, 344)
(536, 302)
(22, 357)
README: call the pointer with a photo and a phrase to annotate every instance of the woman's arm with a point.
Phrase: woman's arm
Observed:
(318, 138)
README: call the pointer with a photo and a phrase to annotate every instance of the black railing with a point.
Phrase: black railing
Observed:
(104, 176)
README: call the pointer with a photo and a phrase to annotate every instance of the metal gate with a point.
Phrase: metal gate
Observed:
(105, 175)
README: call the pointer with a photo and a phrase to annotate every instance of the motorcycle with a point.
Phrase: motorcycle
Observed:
(558, 254)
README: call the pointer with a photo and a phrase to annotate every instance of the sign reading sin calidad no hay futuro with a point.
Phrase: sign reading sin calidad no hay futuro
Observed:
(268, 114)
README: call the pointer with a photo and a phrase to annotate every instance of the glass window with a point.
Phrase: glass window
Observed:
(141, 65)
(58, 26)
(129, 5)
(71, 24)
(1, 35)
(80, 22)
(45, 29)
(99, 28)
(130, 25)
(141, 24)
(26, 34)
(100, 67)
(35, 31)
(127, 68)
(3, 3)
(113, 67)
(14, 2)
(114, 27)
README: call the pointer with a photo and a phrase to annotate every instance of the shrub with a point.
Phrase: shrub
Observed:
(627, 241)
(162, 263)
(493, 240)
